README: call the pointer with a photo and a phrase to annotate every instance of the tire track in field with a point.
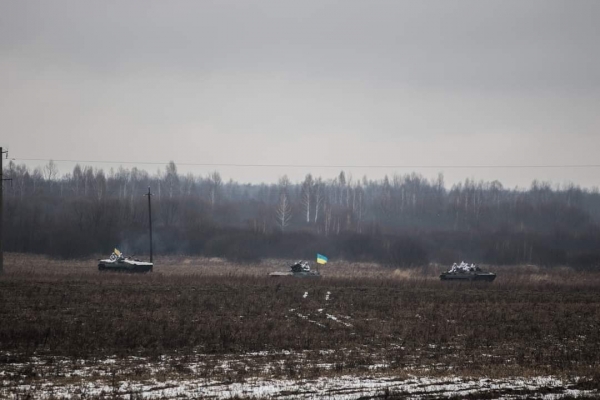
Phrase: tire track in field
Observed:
(337, 319)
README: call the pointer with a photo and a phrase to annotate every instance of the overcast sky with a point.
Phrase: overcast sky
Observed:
(306, 82)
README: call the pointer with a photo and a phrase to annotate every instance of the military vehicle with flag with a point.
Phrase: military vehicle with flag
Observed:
(120, 263)
(301, 269)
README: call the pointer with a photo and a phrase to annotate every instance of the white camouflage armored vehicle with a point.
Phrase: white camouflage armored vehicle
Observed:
(466, 272)
(119, 262)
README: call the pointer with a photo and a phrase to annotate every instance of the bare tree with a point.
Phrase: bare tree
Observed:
(188, 183)
(360, 207)
(100, 181)
(77, 178)
(50, 171)
(37, 176)
(385, 198)
(171, 179)
(124, 179)
(284, 184)
(306, 195)
(328, 211)
(214, 187)
(20, 176)
(283, 212)
(259, 223)
(319, 198)
(88, 180)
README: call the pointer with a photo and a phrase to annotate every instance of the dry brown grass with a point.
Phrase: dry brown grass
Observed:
(530, 321)
(17, 264)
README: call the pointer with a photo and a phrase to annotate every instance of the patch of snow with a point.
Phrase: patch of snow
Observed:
(334, 318)
(310, 320)
(345, 387)
(96, 378)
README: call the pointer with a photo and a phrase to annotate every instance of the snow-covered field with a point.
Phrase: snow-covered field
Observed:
(176, 336)
(137, 377)
(340, 387)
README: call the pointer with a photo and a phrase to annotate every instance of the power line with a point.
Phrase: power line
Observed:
(244, 165)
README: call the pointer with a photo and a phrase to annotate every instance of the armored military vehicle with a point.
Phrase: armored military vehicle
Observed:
(466, 272)
(300, 269)
(120, 263)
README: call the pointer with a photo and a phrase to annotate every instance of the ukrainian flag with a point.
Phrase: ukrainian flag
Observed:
(321, 259)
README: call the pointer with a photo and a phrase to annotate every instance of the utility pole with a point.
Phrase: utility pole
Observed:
(150, 220)
(1, 209)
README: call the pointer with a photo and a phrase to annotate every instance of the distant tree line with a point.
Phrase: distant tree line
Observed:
(402, 220)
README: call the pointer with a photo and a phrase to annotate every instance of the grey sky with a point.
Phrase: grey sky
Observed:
(306, 82)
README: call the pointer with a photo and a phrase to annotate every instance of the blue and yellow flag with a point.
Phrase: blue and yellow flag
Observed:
(321, 259)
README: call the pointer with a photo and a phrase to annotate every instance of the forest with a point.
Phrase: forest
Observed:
(400, 221)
